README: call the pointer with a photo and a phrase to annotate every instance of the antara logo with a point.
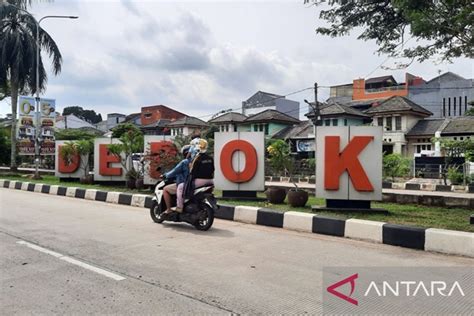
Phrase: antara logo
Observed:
(332, 289)
(413, 288)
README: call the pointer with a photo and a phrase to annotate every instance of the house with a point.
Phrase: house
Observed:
(397, 115)
(447, 95)
(336, 114)
(383, 87)
(262, 101)
(300, 138)
(114, 119)
(269, 121)
(228, 122)
(187, 126)
(155, 119)
(421, 135)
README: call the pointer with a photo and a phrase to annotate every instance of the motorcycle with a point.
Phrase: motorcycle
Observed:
(198, 210)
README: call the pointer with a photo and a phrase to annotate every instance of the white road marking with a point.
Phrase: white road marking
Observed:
(44, 250)
(81, 264)
(108, 274)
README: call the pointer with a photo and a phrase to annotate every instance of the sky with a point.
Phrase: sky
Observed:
(201, 57)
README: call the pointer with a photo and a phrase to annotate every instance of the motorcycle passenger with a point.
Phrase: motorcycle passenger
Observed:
(180, 173)
(201, 171)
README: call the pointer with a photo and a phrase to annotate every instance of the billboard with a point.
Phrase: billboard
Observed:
(27, 126)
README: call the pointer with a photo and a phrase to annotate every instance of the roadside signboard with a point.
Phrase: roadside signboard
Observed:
(239, 159)
(349, 163)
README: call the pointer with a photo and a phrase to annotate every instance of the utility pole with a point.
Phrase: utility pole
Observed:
(315, 120)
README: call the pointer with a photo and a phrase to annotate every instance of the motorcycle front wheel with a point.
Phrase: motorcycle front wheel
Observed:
(206, 218)
(155, 212)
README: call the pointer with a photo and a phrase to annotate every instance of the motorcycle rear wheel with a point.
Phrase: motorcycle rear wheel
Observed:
(206, 219)
(155, 212)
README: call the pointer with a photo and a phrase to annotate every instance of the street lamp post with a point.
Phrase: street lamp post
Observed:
(37, 98)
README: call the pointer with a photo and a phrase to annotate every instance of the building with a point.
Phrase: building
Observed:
(134, 118)
(447, 95)
(228, 122)
(269, 121)
(155, 119)
(187, 126)
(397, 115)
(71, 121)
(262, 101)
(114, 119)
(336, 114)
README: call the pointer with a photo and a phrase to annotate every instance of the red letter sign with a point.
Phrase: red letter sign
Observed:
(250, 161)
(337, 162)
(105, 159)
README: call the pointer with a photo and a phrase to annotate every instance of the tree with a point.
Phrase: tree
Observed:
(88, 115)
(446, 26)
(131, 142)
(280, 160)
(18, 56)
(123, 128)
(4, 147)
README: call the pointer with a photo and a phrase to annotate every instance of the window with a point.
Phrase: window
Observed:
(454, 106)
(389, 123)
(235, 128)
(227, 128)
(461, 138)
(380, 121)
(398, 123)
(255, 128)
(327, 122)
(334, 122)
(260, 128)
(266, 129)
(449, 106)
(465, 104)
(460, 107)
(345, 122)
(444, 107)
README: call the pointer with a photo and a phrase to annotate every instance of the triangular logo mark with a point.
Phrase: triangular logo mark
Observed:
(332, 289)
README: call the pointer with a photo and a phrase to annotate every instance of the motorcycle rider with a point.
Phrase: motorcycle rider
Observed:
(180, 173)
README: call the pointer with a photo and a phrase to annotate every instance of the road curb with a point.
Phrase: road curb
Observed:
(431, 239)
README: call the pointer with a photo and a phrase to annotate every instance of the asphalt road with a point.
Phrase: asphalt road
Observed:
(68, 256)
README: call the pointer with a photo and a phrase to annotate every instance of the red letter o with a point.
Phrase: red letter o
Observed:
(250, 161)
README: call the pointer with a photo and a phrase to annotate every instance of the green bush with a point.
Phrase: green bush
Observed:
(394, 165)
(455, 176)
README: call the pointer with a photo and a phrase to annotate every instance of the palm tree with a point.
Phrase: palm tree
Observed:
(18, 56)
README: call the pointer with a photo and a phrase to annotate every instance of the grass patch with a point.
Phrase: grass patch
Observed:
(405, 214)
